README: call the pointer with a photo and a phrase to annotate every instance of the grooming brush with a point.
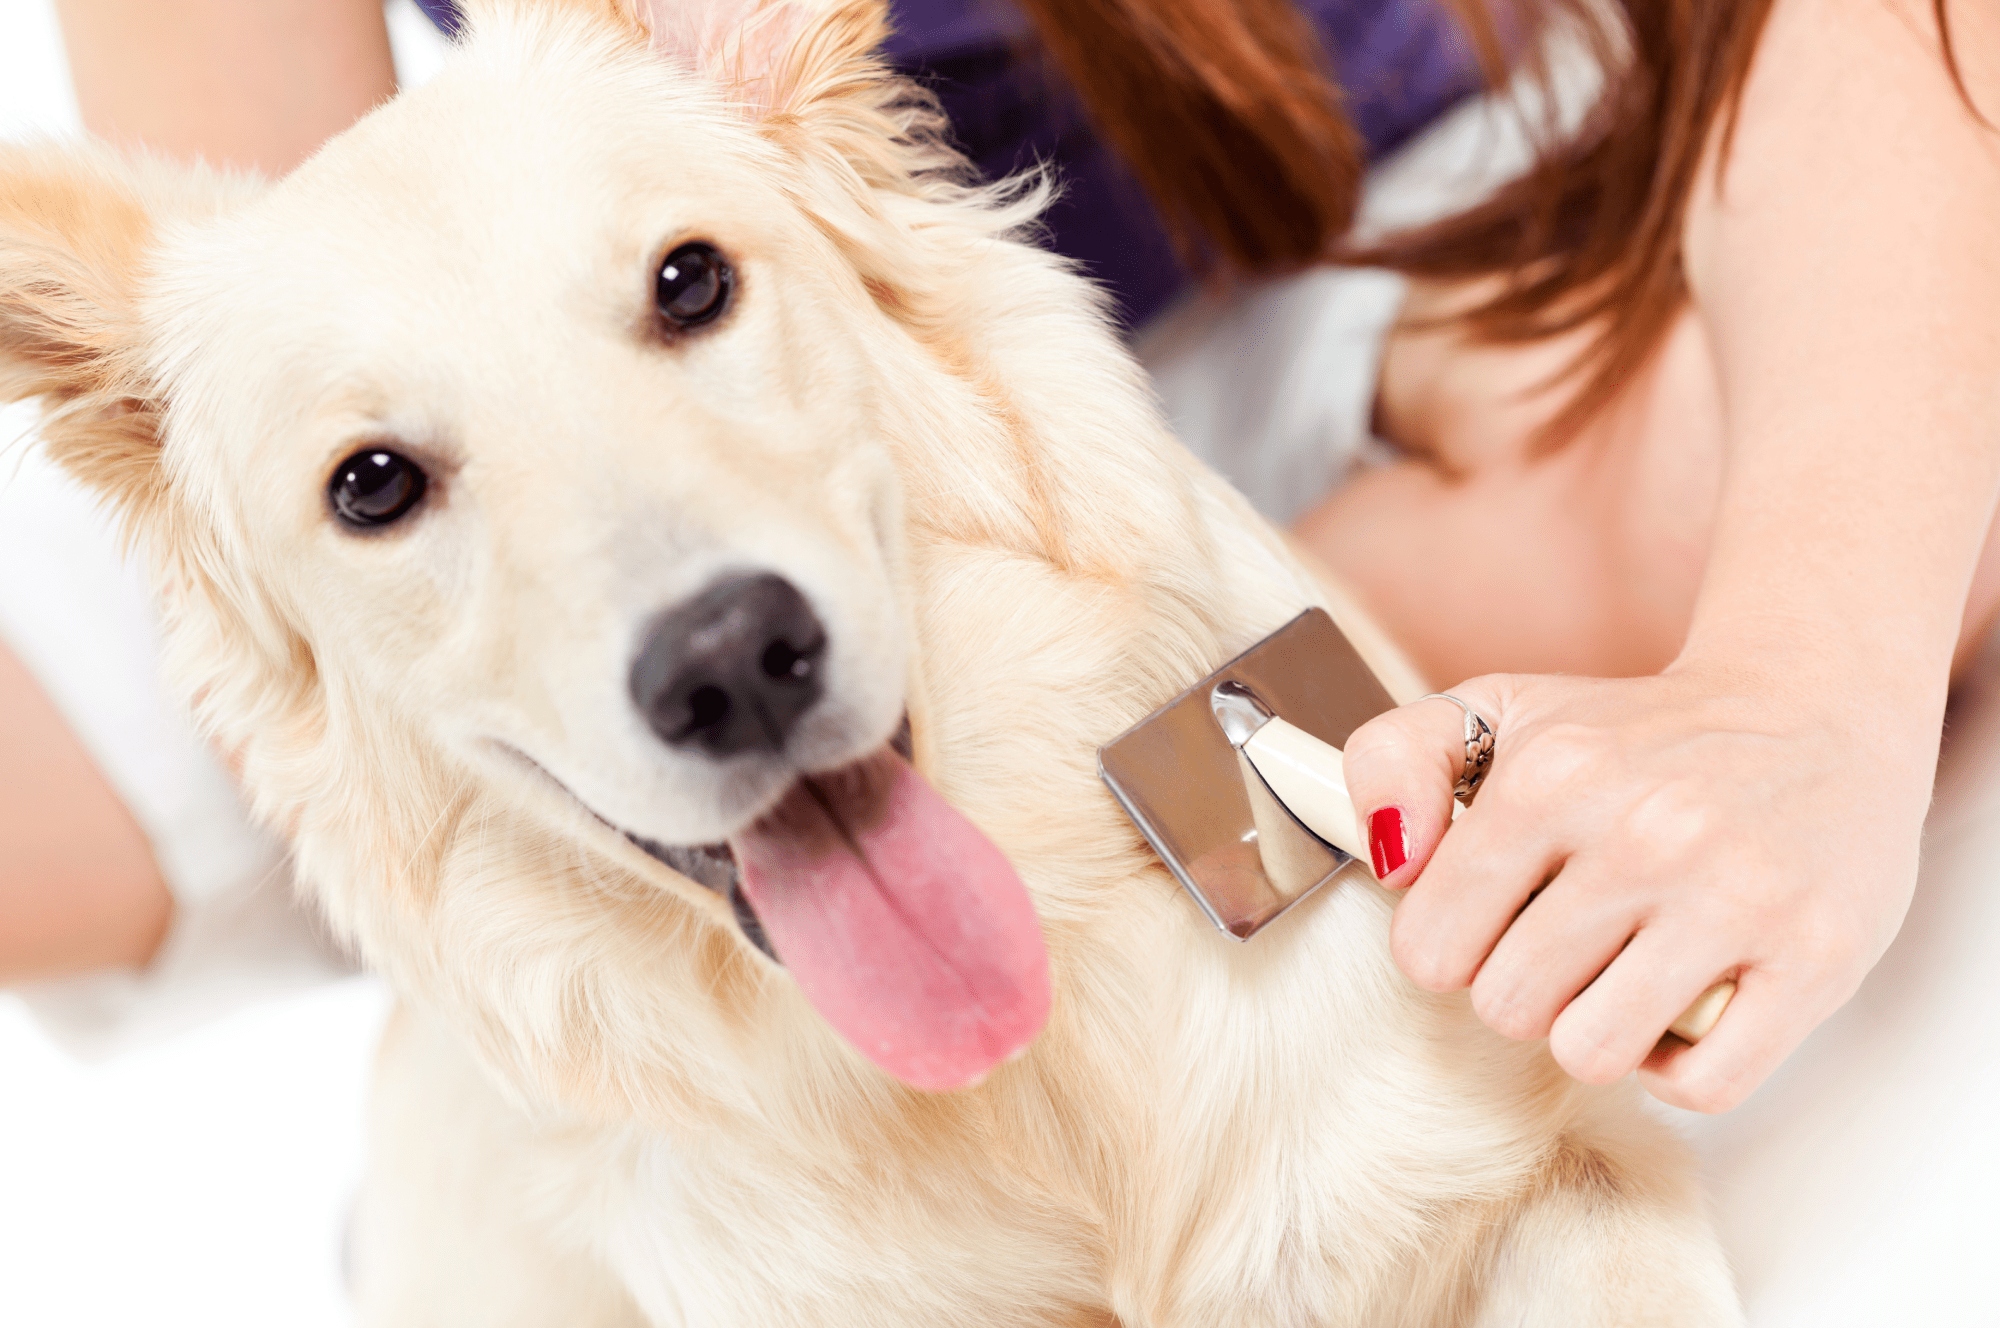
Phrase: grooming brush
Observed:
(1237, 783)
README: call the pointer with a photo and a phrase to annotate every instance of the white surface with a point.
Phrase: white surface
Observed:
(77, 613)
(203, 1183)
(419, 46)
(35, 96)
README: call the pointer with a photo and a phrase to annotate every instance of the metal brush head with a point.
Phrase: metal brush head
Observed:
(1177, 773)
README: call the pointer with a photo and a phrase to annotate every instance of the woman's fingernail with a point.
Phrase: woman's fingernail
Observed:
(1386, 843)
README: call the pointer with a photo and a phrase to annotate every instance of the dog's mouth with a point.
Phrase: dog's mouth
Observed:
(714, 865)
(902, 924)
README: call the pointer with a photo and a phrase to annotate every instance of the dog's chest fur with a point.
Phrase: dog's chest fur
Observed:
(1196, 1138)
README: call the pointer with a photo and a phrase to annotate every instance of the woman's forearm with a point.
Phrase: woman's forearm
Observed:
(78, 886)
(255, 83)
(1847, 272)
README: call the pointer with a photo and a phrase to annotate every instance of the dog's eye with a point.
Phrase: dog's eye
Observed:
(693, 285)
(374, 487)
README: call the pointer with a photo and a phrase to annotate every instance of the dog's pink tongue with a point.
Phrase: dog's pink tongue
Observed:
(901, 923)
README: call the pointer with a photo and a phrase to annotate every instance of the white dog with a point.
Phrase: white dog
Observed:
(574, 493)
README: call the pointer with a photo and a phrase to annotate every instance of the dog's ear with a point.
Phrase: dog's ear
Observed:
(777, 57)
(76, 224)
(774, 57)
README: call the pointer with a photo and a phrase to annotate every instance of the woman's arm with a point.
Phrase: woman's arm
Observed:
(1756, 809)
(1847, 270)
(78, 886)
(253, 83)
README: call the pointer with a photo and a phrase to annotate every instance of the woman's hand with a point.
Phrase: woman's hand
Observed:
(1635, 841)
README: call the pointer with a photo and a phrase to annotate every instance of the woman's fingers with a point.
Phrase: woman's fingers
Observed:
(1615, 1023)
(1635, 840)
(1552, 946)
(1755, 1033)
(1400, 768)
(1469, 893)
(1568, 934)
(1466, 886)
(1771, 1013)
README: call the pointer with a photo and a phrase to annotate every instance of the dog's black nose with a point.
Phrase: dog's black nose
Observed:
(732, 669)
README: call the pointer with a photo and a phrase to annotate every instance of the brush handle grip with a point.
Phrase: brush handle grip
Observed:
(1696, 1021)
(1308, 776)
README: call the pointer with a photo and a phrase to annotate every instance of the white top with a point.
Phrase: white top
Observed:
(77, 614)
(1274, 386)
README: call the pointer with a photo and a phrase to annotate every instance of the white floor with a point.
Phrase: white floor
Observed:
(204, 1181)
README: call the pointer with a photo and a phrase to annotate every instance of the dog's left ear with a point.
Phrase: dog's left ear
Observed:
(777, 58)
(75, 229)
(740, 44)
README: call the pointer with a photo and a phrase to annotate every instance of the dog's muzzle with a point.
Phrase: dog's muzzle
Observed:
(731, 670)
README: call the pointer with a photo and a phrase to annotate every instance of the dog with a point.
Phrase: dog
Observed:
(665, 545)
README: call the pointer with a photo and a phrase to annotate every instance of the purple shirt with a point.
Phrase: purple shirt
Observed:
(1401, 63)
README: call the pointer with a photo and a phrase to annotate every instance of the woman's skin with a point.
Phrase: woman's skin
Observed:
(1483, 553)
(1768, 555)
(256, 84)
(78, 889)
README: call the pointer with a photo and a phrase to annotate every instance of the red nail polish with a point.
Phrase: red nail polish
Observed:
(1386, 843)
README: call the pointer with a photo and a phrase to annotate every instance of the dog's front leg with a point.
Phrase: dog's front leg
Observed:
(1614, 1234)
(451, 1231)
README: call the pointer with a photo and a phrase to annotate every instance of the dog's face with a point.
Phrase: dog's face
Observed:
(567, 458)
(535, 429)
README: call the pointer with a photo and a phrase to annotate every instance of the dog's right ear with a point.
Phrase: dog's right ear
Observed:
(76, 225)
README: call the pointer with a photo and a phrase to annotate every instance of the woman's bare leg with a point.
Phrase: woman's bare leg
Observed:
(78, 886)
(255, 83)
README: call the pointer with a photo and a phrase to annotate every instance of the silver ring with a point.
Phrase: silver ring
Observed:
(1478, 749)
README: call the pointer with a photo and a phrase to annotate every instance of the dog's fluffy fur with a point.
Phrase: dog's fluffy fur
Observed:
(599, 1105)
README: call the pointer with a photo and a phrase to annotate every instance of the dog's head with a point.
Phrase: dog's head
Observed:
(530, 453)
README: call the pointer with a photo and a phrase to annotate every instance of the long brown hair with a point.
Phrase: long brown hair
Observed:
(1225, 114)
(1225, 110)
(1590, 236)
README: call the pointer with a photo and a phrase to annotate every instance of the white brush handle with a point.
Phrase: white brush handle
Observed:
(1699, 1018)
(1308, 776)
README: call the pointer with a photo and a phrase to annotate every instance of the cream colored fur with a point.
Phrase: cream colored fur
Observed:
(599, 1105)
